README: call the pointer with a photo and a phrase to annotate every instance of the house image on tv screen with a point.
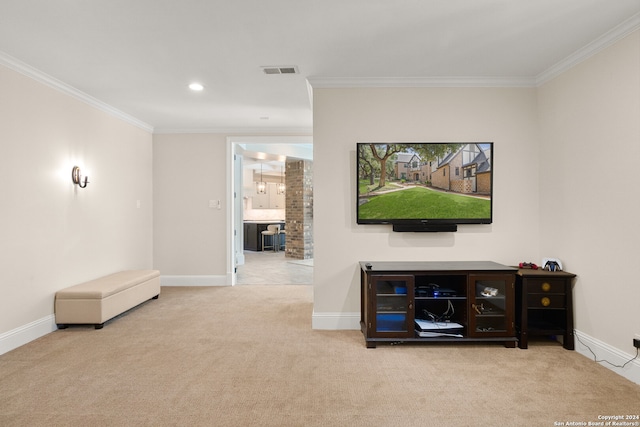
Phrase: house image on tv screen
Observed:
(428, 182)
(465, 170)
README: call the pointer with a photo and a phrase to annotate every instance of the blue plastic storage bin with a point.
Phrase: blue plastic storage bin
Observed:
(391, 322)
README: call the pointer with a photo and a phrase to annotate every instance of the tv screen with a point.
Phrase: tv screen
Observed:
(425, 183)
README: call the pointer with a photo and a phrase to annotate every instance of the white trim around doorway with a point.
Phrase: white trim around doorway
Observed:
(231, 185)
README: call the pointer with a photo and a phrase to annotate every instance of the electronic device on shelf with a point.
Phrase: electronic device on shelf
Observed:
(551, 264)
(434, 291)
(428, 328)
(425, 179)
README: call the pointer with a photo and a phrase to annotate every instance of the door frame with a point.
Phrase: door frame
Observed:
(234, 193)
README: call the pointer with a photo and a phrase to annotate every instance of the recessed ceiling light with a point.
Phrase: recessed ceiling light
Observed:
(196, 87)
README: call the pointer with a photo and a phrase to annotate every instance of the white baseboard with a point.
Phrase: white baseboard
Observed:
(335, 321)
(27, 333)
(194, 281)
(614, 356)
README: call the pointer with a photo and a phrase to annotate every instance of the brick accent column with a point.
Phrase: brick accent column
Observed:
(299, 212)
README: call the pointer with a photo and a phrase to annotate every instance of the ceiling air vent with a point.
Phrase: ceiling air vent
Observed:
(280, 70)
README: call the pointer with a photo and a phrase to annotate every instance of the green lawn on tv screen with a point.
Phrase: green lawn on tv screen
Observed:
(421, 202)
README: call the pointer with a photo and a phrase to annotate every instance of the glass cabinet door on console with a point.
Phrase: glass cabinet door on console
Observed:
(393, 306)
(491, 305)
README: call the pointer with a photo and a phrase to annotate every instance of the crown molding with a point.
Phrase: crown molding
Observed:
(29, 71)
(609, 38)
(239, 131)
(399, 82)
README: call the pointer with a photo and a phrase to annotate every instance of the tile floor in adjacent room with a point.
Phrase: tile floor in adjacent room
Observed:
(273, 268)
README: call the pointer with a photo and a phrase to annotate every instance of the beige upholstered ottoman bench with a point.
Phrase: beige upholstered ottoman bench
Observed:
(99, 300)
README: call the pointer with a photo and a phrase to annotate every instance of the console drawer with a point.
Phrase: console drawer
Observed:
(553, 286)
(546, 301)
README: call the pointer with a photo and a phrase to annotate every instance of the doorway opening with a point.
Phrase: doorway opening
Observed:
(265, 175)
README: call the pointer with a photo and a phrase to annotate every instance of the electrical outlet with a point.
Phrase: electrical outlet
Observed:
(636, 341)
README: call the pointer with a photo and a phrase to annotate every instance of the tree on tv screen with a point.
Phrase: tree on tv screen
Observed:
(375, 158)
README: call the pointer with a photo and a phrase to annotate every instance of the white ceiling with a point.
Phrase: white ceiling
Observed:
(138, 56)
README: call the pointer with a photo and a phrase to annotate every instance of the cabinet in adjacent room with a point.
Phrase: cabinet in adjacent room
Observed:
(269, 200)
(260, 201)
(253, 233)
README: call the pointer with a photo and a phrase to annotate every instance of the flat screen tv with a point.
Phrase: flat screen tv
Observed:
(425, 186)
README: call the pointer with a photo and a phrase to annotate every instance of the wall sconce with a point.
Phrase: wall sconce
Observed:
(261, 187)
(77, 177)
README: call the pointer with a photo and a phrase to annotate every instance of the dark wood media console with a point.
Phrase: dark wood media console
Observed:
(453, 301)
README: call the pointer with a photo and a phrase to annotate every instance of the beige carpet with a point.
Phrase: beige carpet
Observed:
(246, 356)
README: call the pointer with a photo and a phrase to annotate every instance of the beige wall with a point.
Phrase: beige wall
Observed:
(342, 117)
(54, 234)
(590, 209)
(190, 238)
(550, 199)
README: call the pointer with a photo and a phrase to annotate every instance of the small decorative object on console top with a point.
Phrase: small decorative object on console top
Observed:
(528, 265)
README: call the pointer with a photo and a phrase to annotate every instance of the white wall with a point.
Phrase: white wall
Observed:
(53, 234)
(589, 186)
(190, 238)
(342, 117)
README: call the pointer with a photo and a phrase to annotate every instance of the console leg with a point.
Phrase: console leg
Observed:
(371, 344)
(567, 341)
(523, 341)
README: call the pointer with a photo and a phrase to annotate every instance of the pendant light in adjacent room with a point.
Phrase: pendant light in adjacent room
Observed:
(281, 187)
(261, 187)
